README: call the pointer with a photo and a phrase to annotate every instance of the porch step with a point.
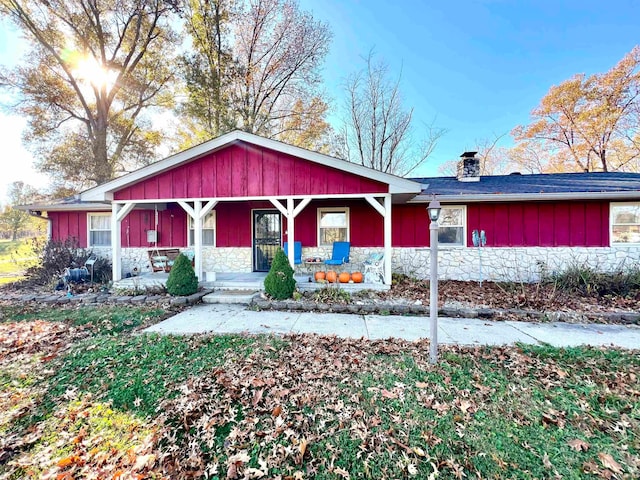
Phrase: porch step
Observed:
(240, 296)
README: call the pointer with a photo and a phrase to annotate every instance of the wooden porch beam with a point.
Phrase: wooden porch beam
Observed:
(124, 211)
(207, 208)
(300, 206)
(187, 208)
(276, 203)
(388, 250)
(375, 204)
(116, 254)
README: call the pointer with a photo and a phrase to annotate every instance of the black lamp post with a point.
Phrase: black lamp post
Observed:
(434, 214)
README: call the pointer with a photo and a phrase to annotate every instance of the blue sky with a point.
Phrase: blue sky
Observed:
(477, 67)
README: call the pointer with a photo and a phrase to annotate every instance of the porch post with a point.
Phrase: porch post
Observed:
(197, 240)
(116, 257)
(290, 233)
(387, 239)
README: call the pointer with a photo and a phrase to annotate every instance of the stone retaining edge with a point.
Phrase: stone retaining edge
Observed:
(624, 318)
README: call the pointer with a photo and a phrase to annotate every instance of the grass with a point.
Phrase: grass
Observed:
(99, 319)
(15, 257)
(314, 406)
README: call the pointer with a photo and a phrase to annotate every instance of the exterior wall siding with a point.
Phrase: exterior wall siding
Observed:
(244, 170)
(543, 224)
(519, 264)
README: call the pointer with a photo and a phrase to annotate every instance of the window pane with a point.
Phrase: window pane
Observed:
(100, 238)
(209, 221)
(628, 214)
(451, 217)
(330, 235)
(208, 236)
(333, 219)
(625, 234)
(100, 222)
(451, 235)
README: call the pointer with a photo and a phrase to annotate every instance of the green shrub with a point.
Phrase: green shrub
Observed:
(182, 279)
(279, 283)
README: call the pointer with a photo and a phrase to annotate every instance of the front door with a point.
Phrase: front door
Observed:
(267, 234)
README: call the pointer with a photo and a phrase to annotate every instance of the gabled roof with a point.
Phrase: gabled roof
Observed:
(553, 186)
(103, 192)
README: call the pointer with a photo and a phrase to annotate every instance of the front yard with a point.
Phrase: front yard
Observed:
(82, 395)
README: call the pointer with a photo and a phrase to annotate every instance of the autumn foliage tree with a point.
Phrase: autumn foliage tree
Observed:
(588, 123)
(93, 72)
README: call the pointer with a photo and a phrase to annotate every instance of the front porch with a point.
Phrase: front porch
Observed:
(240, 281)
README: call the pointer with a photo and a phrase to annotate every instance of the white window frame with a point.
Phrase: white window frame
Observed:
(190, 224)
(322, 210)
(89, 230)
(464, 226)
(612, 205)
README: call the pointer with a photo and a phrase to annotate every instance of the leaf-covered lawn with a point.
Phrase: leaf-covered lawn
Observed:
(140, 406)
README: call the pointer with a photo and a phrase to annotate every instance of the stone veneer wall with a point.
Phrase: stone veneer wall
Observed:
(498, 264)
(524, 264)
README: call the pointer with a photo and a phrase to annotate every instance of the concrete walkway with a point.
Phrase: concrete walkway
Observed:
(219, 319)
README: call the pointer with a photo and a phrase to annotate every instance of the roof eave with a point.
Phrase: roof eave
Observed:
(85, 206)
(517, 197)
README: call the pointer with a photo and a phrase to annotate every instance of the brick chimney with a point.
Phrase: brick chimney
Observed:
(469, 167)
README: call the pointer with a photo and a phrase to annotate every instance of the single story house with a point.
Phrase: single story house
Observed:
(234, 200)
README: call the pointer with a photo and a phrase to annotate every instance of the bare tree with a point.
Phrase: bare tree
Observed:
(93, 70)
(494, 159)
(278, 53)
(377, 131)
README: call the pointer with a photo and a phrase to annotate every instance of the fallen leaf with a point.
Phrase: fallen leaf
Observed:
(608, 462)
(422, 384)
(578, 445)
(276, 411)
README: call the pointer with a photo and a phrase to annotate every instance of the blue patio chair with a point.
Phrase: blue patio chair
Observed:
(297, 251)
(339, 254)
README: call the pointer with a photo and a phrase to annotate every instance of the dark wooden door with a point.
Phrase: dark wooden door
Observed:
(267, 235)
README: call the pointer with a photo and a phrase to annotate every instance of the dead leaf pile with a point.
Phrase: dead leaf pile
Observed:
(541, 297)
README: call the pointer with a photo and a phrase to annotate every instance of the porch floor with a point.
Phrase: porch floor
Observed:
(237, 281)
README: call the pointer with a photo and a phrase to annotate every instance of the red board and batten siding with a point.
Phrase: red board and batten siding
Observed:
(543, 224)
(172, 227)
(243, 170)
(523, 224)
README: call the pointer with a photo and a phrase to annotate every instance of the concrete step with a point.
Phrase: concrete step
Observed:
(230, 296)
(231, 285)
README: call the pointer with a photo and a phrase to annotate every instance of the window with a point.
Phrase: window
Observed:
(452, 222)
(99, 225)
(208, 230)
(333, 225)
(625, 223)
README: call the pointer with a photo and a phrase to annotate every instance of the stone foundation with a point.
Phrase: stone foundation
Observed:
(524, 264)
(518, 264)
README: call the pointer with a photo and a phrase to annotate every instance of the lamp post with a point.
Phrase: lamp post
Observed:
(434, 213)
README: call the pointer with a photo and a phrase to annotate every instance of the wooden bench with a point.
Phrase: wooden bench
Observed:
(161, 259)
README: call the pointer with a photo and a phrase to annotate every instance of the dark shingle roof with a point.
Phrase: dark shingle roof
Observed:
(605, 182)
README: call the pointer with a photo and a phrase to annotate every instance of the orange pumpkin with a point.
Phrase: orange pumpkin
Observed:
(332, 276)
(356, 277)
(320, 276)
(344, 277)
